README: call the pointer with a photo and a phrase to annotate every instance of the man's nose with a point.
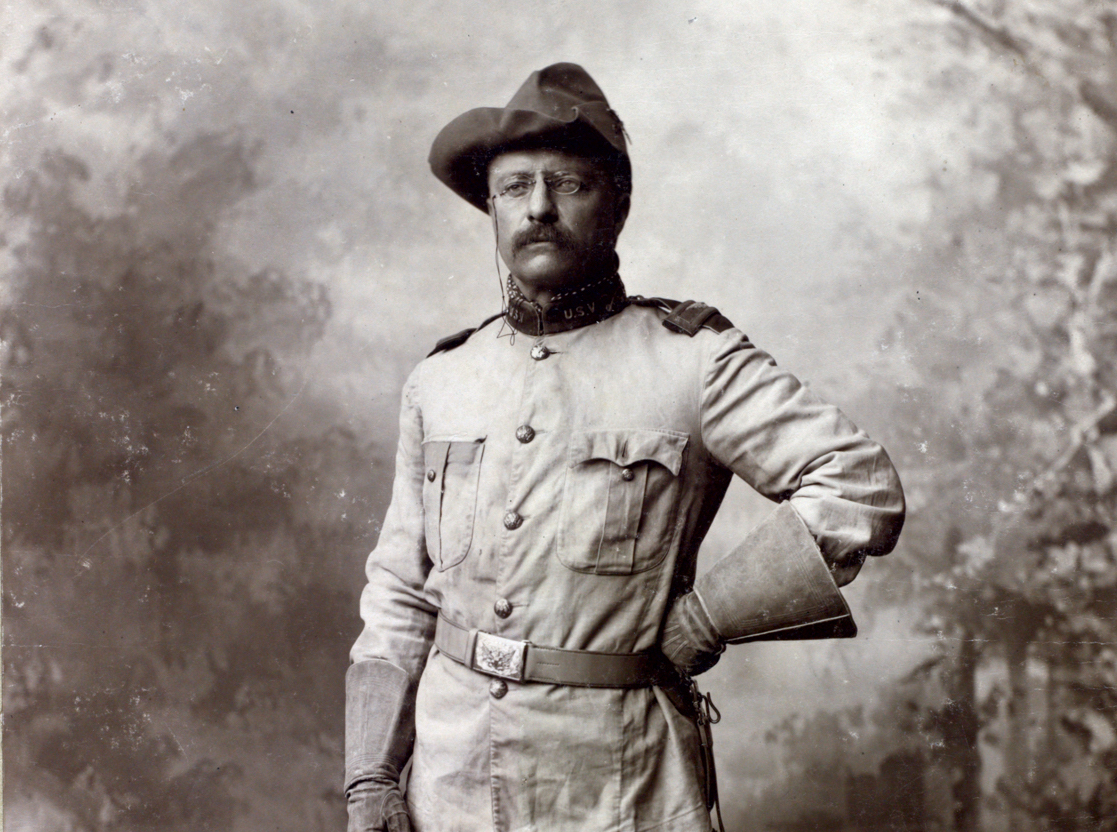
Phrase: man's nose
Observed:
(541, 203)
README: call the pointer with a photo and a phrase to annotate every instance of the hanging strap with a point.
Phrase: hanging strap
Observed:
(705, 715)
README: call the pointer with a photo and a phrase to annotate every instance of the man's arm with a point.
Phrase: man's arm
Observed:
(788, 444)
(399, 619)
(389, 655)
(840, 496)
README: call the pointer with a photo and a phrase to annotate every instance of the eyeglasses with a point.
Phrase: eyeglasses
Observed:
(523, 187)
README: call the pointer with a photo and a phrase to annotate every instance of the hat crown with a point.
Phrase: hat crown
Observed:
(557, 91)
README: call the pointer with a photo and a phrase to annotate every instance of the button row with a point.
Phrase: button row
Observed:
(512, 520)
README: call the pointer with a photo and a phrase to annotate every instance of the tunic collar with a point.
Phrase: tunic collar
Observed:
(587, 304)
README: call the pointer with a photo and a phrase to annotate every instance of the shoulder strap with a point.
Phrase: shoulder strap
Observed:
(663, 304)
(688, 316)
(458, 338)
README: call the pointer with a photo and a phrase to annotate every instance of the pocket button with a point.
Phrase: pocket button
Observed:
(627, 475)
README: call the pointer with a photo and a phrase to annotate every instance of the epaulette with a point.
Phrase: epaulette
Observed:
(686, 316)
(458, 338)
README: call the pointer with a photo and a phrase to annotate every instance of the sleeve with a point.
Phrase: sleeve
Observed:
(399, 619)
(763, 424)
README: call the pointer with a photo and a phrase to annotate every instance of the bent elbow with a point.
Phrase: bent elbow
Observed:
(892, 512)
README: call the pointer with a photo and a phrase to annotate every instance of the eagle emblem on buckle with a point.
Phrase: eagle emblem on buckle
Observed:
(499, 656)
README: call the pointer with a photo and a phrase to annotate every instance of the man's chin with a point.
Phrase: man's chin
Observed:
(546, 273)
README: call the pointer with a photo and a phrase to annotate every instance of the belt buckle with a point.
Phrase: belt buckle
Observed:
(499, 656)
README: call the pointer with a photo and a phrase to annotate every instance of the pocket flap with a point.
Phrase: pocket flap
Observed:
(438, 451)
(625, 447)
(434, 455)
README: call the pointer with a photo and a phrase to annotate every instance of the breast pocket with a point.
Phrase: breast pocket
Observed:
(453, 475)
(620, 500)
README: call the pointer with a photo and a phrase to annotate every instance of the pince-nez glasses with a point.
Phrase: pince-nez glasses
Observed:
(521, 188)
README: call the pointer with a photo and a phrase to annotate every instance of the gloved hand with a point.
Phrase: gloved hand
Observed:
(690, 641)
(379, 733)
(377, 806)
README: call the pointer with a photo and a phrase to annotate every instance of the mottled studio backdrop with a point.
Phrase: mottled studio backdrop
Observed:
(221, 252)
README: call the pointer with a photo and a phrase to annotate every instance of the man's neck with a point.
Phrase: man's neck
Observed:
(566, 308)
(541, 296)
(544, 296)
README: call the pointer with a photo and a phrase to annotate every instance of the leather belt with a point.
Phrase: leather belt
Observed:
(526, 662)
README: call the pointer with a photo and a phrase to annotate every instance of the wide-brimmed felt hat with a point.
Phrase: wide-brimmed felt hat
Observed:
(558, 107)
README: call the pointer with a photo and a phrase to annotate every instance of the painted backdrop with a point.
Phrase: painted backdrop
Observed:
(222, 251)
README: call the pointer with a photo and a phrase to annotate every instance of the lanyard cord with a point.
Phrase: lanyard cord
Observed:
(499, 279)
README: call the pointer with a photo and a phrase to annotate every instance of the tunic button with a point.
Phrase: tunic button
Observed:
(539, 352)
(627, 475)
(431, 475)
(512, 520)
(497, 688)
(525, 433)
(503, 607)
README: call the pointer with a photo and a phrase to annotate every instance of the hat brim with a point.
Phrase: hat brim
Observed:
(462, 151)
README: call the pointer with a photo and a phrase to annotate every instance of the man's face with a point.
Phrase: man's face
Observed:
(557, 217)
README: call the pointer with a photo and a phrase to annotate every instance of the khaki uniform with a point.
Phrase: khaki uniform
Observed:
(555, 490)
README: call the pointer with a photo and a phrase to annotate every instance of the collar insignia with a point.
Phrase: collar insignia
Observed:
(578, 307)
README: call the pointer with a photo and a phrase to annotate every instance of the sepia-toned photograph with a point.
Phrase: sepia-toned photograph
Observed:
(558, 417)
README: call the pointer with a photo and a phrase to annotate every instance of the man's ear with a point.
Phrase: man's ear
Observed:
(624, 202)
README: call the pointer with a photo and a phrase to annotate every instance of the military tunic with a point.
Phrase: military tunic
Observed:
(555, 490)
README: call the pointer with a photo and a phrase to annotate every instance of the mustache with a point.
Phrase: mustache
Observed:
(540, 234)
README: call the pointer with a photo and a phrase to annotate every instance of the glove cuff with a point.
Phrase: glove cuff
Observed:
(775, 585)
(379, 721)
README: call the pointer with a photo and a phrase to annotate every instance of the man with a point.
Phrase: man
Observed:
(531, 615)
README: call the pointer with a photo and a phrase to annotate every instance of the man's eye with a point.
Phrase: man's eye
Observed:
(516, 189)
(566, 186)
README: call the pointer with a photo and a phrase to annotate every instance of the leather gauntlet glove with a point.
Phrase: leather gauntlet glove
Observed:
(379, 733)
(690, 641)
